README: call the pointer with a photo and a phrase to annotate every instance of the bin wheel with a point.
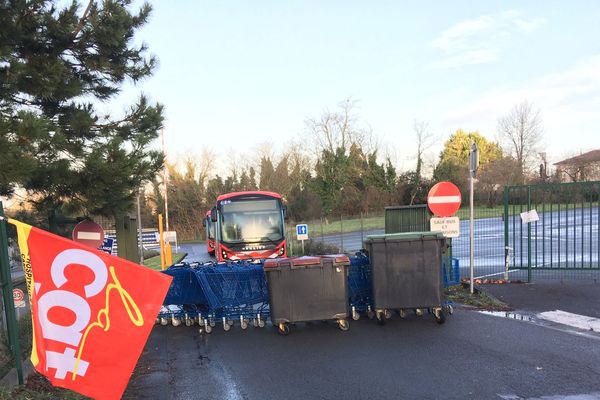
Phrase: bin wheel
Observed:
(283, 329)
(440, 316)
(344, 324)
(380, 315)
(402, 313)
(387, 314)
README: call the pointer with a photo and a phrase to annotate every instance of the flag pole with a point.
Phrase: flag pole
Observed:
(7, 294)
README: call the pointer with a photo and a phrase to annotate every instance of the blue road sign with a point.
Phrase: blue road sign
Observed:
(302, 231)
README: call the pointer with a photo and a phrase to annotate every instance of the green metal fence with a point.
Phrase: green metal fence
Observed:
(407, 218)
(565, 234)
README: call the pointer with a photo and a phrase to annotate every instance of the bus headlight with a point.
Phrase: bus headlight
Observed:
(224, 254)
(281, 250)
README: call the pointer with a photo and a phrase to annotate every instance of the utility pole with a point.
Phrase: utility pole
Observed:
(473, 164)
(165, 179)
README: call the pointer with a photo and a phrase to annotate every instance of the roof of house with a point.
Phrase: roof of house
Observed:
(589, 157)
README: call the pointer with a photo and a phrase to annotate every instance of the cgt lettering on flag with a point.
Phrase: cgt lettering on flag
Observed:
(92, 312)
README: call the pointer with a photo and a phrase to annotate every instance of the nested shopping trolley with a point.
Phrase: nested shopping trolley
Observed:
(209, 292)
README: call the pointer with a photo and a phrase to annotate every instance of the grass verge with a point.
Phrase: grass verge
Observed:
(481, 300)
(154, 262)
(37, 387)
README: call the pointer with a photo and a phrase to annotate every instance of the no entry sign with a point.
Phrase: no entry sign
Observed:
(444, 199)
(89, 233)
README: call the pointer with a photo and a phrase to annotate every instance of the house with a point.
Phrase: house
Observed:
(584, 167)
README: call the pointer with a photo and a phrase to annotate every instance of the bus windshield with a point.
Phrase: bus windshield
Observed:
(245, 221)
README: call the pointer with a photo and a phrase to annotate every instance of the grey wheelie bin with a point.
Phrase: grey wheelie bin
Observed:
(407, 274)
(305, 289)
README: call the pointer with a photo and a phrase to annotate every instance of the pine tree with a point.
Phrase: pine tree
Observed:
(57, 64)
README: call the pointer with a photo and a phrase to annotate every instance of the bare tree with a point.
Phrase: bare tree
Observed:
(337, 129)
(521, 132)
(425, 140)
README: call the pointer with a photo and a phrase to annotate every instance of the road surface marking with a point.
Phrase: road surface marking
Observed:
(574, 320)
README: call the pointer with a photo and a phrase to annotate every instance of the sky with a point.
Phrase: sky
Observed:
(234, 75)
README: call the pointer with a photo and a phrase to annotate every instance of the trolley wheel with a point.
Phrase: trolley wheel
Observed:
(440, 316)
(206, 329)
(230, 322)
(370, 314)
(387, 314)
(189, 322)
(254, 322)
(164, 321)
(344, 324)
(402, 313)
(226, 327)
(212, 323)
(449, 309)
(418, 312)
(244, 324)
(261, 323)
(380, 315)
(355, 315)
(283, 329)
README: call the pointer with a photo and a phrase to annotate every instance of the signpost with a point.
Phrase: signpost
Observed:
(19, 300)
(449, 226)
(473, 165)
(302, 234)
(444, 199)
(108, 245)
(89, 233)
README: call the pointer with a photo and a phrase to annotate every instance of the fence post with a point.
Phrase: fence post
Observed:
(7, 295)
(528, 236)
(342, 232)
(505, 218)
(362, 239)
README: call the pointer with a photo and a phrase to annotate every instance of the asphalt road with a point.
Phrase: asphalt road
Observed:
(472, 356)
(555, 242)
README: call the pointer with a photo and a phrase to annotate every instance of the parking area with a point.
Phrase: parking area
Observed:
(471, 356)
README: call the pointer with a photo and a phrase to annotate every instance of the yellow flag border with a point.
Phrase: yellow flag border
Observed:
(23, 231)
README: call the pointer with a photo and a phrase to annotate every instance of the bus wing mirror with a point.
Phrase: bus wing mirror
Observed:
(213, 214)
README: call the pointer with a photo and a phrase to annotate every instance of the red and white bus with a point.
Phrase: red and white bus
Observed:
(210, 234)
(249, 225)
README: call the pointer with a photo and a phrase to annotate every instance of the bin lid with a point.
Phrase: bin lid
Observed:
(405, 236)
(338, 258)
(296, 261)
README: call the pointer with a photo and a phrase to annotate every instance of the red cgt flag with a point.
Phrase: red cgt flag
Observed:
(92, 312)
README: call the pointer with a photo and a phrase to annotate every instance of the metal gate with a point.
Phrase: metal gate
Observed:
(563, 236)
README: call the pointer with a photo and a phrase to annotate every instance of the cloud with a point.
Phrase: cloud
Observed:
(482, 39)
(568, 101)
